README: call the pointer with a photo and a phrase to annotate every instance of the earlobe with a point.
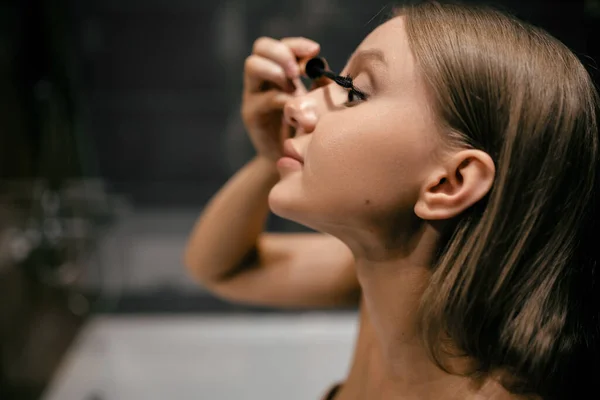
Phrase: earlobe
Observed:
(464, 179)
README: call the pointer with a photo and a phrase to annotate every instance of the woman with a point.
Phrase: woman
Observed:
(454, 188)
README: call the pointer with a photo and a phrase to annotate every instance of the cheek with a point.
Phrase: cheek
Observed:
(372, 158)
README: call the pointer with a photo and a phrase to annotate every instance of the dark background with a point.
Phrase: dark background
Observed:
(153, 87)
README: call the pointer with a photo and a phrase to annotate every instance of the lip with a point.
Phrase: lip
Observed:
(291, 152)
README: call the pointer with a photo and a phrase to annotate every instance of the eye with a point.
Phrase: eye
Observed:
(355, 95)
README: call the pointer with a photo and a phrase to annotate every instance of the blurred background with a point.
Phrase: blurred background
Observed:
(119, 119)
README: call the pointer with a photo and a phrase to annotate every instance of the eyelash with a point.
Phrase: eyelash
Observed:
(353, 90)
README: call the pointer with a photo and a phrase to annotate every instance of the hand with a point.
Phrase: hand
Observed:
(271, 78)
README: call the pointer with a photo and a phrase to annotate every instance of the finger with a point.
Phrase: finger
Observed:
(258, 70)
(302, 47)
(299, 88)
(265, 103)
(272, 100)
(279, 52)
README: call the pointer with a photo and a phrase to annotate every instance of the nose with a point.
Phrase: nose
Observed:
(301, 113)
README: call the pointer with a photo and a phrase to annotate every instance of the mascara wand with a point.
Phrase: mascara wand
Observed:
(316, 68)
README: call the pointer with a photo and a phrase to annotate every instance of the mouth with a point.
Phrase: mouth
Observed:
(290, 151)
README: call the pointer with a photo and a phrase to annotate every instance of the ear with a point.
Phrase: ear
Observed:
(463, 179)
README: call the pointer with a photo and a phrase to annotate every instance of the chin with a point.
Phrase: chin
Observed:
(288, 200)
(283, 204)
(286, 204)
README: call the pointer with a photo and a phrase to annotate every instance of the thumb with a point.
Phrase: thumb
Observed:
(271, 100)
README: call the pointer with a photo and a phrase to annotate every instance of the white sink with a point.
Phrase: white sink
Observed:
(264, 357)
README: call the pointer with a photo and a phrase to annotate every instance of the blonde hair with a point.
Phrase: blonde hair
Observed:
(514, 283)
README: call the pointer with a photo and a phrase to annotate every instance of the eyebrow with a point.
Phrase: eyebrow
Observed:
(364, 59)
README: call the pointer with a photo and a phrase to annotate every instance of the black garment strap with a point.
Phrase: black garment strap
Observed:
(334, 390)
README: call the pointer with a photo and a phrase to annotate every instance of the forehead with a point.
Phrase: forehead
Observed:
(390, 37)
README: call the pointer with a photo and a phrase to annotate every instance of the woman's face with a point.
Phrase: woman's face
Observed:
(364, 161)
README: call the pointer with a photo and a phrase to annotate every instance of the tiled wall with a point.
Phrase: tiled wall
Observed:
(163, 80)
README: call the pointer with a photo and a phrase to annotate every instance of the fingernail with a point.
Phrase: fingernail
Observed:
(291, 86)
(299, 87)
(292, 69)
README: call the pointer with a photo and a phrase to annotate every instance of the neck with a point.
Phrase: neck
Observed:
(393, 282)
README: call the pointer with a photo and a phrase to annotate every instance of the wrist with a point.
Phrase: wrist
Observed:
(267, 166)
